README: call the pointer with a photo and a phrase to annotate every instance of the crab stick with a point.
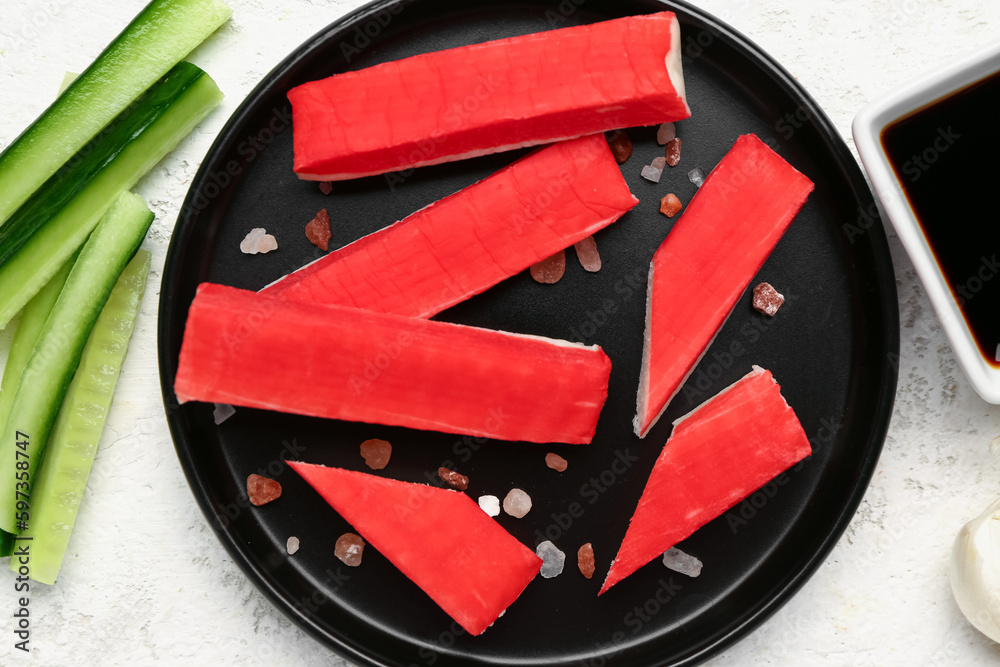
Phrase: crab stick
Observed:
(489, 97)
(706, 262)
(719, 454)
(475, 238)
(248, 349)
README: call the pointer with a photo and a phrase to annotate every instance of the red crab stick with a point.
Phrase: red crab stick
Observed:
(489, 97)
(718, 455)
(439, 538)
(470, 241)
(703, 267)
(248, 349)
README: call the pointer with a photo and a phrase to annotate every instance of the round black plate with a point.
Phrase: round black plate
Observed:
(832, 348)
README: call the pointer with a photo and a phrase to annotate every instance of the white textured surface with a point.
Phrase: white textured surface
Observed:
(146, 581)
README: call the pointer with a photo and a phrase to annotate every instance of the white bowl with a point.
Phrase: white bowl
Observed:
(867, 130)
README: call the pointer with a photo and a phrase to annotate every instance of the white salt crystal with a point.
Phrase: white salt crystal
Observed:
(680, 562)
(222, 412)
(258, 241)
(659, 163)
(652, 173)
(666, 133)
(490, 505)
(517, 503)
(696, 176)
(292, 545)
(553, 560)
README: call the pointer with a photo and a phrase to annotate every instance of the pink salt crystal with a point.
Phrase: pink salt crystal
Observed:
(453, 479)
(326, 187)
(318, 230)
(585, 560)
(666, 133)
(556, 462)
(766, 299)
(550, 270)
(658, 163)
(376, 453)
(292, 545)
(349, 549)
(673, 152)
(266, 244)
(517, 503)
(222, 412)
(586, 252)
(262, 490)
(621, 146)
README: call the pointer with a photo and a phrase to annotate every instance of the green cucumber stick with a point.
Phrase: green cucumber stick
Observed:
(158, 38)
(58, 488)
(57, 353)
(164, 116)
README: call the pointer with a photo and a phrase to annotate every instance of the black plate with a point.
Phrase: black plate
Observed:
(832, 347)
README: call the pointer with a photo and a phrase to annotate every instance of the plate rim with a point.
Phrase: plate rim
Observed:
(357, 652)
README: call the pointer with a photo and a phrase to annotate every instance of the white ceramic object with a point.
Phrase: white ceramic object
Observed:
(867, 130)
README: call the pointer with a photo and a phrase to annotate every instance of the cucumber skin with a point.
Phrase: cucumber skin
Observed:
(60, 345)
(69, 454)
(74, 177)
(38, 260)
(160, 36)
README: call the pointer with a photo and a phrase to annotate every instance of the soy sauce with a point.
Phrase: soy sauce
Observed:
(946, 155)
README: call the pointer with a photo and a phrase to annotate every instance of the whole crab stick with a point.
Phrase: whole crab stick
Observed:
(249, 349)
(706, 262)
(475, 238)
(490, 97)
(439, 538)
(719, 454)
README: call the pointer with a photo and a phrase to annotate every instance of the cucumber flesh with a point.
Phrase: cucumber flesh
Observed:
(87, 189)
(57, 353)
(28, 327)
(69, 454)
(159, 37)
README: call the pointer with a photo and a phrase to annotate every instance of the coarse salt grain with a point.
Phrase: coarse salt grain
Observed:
(326, 187)
(517, 503)
(666, 133)
(621, 146)
(222, 412)
(349, 549)
(453, 479)
(658, 163)
(586, 252)
(673, 151)
(550, 270)
(262, 490)
(585, 560)
(682, 563)
(553, 560)
(652, 173)
(490, 505)
(766, 299)
(376, 453)
(318, 230)
(292, 545)
(258, 241)
(697, 176)
(670, 205)
(556, 462)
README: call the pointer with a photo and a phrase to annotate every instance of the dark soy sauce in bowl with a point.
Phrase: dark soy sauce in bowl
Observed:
(946, 155)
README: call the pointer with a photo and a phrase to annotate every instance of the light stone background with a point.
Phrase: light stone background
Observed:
(146, 581)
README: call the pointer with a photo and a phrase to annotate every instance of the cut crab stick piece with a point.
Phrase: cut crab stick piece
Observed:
(706, 263)
(477, 237)
(439, 538)
(248, 349)
(490, 97)
(719, 454)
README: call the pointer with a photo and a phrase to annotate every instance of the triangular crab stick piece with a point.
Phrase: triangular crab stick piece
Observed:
(470, 241)
(439, 538)
(248, 349)
(490, 97)
(718, 455)
(706, 262)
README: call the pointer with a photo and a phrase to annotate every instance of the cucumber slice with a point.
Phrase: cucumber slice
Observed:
(58, 350)
(160, 36)
(69, 454)
(76, 198)
(28, 327)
